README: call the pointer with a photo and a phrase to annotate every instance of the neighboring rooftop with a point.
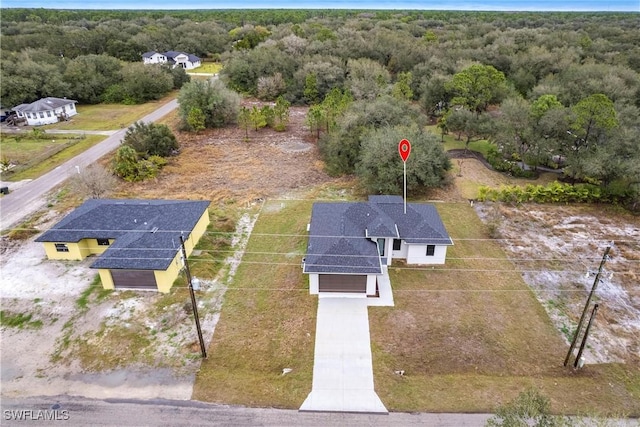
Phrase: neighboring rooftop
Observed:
(146, 232)
(339, 232)
(44, 104)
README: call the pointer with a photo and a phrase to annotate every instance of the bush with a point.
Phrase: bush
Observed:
(555, 192)
(219, 104)
(150, 139)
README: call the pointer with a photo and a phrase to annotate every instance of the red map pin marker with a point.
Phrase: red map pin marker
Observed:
(404, 148)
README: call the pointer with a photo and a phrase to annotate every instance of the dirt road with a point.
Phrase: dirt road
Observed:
(28, 199)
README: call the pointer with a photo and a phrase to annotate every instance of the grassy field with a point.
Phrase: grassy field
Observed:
(469, 335)
(450, 142)
(267, 321)
(208, 67)
(36, 156)
(110, 116)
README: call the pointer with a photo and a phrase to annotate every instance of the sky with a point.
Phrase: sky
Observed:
(497, 5)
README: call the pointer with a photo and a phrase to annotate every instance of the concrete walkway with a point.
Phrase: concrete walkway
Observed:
(342, 369)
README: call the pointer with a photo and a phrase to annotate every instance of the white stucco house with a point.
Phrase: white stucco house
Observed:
(174, 58)
(46, 111)
(350, 244)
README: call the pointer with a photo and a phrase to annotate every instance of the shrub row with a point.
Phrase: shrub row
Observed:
(555, 192)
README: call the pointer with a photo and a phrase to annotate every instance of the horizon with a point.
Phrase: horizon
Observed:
(632, 6)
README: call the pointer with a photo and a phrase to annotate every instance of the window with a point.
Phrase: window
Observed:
(103, 242)
(72, 107)
(41, 115)
(431, 250)
(48, 113)
(62, 247)
(397, 244)
(381, 246)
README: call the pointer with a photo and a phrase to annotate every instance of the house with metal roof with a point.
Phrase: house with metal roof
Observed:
(136, 242)
(350, 244)
(46, 111)
(173, 58)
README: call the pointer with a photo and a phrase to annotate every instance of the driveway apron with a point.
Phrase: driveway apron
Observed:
(342, 370)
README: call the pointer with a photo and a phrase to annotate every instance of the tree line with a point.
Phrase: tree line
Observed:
(548, 89)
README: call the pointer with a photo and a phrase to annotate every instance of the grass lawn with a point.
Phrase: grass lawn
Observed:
(110, 116)
(469, 335)
(450, 142)
(35, 156)
(207, 67)
(267, 321)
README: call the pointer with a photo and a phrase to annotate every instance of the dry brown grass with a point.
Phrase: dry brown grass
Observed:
(267, 322)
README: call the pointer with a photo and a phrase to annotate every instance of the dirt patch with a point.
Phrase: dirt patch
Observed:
(221, 165)
(559, 249)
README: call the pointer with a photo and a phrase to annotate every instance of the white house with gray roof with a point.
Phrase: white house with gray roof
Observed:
(349, 243)
(47, 110)
(173, 58)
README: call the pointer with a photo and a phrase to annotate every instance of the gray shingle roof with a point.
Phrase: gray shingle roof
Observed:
(338, 232)
(44, 104)
(146, 232)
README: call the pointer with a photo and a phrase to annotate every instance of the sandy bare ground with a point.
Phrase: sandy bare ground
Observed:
(48, 290)
(559, 248)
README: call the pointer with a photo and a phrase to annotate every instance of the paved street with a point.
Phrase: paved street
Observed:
(79, 411)
(29, 198)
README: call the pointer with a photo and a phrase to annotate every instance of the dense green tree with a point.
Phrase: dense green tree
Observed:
(402, 87)
(244, 120)
(89, 77)
(196, 119)
(257, 117)
(341, 148)
(281, 114)
(367, 79)
(380, 167)
(150, 139)
(219, 104)
(477, 86)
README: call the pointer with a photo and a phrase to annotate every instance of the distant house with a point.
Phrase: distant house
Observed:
(350, 243)
(46, 111)
(137, 242)
(175, 59)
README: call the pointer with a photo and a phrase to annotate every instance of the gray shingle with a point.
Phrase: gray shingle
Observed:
(338, 232)
(146, 232)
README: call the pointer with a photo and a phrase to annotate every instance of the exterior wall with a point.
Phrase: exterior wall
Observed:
(402, 253)
(314, 283)
(47, 117)
(197, 233)
(371, 284)
(105, 278)
(165, 278)
(416, 254)
(155, 59)
(75, 251)
(93, 248)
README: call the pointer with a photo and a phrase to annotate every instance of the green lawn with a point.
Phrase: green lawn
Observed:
(450, 142)
(109, 116)
(208, 67)
(469, 335)
(36, 156)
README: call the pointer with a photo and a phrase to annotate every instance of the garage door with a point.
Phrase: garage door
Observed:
(134, 279)
(342, 283)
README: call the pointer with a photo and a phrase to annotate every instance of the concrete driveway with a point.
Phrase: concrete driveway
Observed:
(342, 369)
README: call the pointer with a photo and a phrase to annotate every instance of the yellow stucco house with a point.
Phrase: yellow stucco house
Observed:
(137, 242)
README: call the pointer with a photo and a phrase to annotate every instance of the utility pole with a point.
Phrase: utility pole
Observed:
(586, 306)
(194, 304)
(586, 334)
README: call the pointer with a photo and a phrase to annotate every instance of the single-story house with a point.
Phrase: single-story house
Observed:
(349, 243)
(175, 59)
(46, 110)
(137, 242)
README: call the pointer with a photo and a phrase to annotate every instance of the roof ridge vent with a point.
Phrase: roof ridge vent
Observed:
(154, 229)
